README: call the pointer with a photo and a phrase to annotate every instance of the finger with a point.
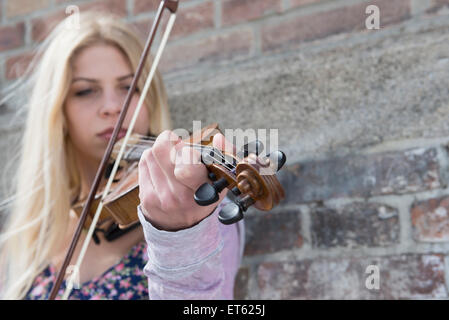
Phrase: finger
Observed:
(147, 192)
(158, 177)
(171, 193)
(227, 157)
(189, 170)
(221, 143)
(164, 152)
(149, 199)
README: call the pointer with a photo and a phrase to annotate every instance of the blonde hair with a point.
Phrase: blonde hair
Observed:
(46, 179)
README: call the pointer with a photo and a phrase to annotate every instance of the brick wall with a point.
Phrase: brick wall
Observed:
(387, 209)
(206, 30)
(385, 206)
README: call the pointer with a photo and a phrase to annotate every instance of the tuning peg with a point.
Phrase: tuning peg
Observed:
(253, 147)
(230, 213)
(277, 157)
(212, 176)
(236, 191)
(233, 212)
(207, 193)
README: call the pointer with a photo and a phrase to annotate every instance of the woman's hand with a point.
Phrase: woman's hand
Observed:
(169, 174)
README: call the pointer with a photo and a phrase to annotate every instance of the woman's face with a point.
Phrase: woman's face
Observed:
(102, 77)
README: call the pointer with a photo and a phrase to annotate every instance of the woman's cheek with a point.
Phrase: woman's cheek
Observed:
(81, 126)
(142, 124)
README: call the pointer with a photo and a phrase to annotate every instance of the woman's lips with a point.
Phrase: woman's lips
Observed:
(107, 134)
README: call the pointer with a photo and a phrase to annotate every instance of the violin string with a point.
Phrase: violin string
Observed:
(142, 140)
(194, 145)
(149, 141)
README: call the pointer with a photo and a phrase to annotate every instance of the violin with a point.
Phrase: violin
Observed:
(240, 173)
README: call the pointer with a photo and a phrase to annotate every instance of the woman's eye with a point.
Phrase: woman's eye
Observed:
(126, 88)
(83, 93)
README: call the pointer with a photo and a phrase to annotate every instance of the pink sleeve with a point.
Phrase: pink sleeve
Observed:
(196, 263)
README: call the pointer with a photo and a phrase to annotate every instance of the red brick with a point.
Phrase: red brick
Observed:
(141, 6)
(323, 24)
(299, 3)
(22, 7)
(117, 7)
(12, 37)
(143, 27)
(430, 220)
(237, 11)
(41, 27)
(193, 19)
(16, 66)
(394, 172)
(408, 276)
(437, 4)
(357, 224)
(271, 232)
(212, 48)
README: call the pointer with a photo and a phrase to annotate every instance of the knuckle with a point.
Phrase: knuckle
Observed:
(189, 156)
(168, 202)
(142, 160)
(149, 199)
(146, 155)
(164, 141)
(158, 150)
(170, 135)
(184, 173)
(186, 196)
(165, 134)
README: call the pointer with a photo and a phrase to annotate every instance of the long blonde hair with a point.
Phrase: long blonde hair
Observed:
(46, 178)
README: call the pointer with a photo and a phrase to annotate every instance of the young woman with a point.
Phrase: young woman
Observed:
(77, 89)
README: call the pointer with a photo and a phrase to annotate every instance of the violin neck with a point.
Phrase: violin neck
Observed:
(133, 152)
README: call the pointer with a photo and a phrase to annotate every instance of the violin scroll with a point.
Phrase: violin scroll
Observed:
(252, 180)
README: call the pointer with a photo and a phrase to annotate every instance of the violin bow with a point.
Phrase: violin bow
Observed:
(172, 6)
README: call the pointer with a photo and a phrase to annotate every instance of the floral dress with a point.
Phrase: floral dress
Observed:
(124, 280)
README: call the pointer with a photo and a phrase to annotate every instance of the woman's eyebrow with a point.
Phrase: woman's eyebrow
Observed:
(95, 80)
(126, 77)
(83, 79)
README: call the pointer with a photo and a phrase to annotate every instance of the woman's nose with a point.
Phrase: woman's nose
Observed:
(111, 104)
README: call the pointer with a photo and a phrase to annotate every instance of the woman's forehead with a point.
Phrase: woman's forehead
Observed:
(100, 61)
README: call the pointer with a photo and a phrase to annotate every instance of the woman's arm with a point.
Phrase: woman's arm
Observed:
(191, 254)
(195, 263)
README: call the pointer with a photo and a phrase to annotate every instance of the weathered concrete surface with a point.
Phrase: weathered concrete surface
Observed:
(330, 96)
